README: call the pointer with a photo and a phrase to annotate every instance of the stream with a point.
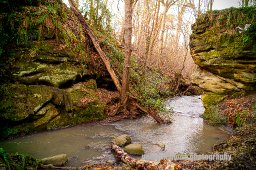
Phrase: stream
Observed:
(187, 133)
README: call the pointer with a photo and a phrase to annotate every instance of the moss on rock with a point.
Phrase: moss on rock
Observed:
(43, 53)
(85, 106)
(21, 101)
(83, 93)
(212, 113)
(57, 75)
(48, 112)
(93, 112)
(218, 47)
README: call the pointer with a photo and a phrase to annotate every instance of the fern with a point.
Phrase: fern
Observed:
(41, 19)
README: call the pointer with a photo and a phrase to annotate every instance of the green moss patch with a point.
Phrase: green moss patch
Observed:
(20, 101)
(223, 43)
(213, 114)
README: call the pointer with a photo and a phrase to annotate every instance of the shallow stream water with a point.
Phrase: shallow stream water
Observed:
(187, 133)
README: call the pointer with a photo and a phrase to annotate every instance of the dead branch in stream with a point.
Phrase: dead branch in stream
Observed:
(152, 113)
(142, 164)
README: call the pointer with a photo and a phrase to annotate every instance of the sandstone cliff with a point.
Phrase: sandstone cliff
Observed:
(223, 45)
(50, 73)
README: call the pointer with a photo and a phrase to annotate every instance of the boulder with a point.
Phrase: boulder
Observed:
(49, 113)
(51, 74)
(81, 95)
(122, 140)
(214, 83)
(20, 101)
(161, 145)
(225, 56)
(134, 149)
(58, 160)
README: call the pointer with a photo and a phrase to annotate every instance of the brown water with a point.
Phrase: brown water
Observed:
(91, 142)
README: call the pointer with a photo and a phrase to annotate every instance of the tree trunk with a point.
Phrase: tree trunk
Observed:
(181, 12)
(163, 32)
(128, 51)
(199, 8)
(210, 5)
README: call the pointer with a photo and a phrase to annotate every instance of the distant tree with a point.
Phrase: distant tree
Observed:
(246, 3)
(128, 51)
(97, 14)
(210, 4)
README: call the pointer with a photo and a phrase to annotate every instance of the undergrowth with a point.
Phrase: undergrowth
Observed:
(17, 161)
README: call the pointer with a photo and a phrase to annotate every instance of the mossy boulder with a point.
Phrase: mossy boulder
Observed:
(57, 160)
(56, 74)
(84, 106)
(122, 140)
(212, 114)
(20, 101)
(227, 54)
(28, 108)
(134, 149)
(93, 112)
(49, 113)
(83, 93)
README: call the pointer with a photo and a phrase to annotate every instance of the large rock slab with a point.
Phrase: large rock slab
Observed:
(56, 75)
(57, 160)
(20, 101)
(215, 83)
(229, 55)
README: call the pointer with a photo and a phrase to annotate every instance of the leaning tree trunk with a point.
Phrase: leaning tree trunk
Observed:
(96, 44)
(108, 65)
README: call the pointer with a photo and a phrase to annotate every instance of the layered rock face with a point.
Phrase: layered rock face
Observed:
(47, 78)
(223, 45)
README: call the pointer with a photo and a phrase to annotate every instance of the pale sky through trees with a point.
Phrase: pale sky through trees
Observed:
(117, 7)
(221, 4)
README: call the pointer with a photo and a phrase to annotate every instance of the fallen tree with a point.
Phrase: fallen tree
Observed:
(131, 99)
(96, 44)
